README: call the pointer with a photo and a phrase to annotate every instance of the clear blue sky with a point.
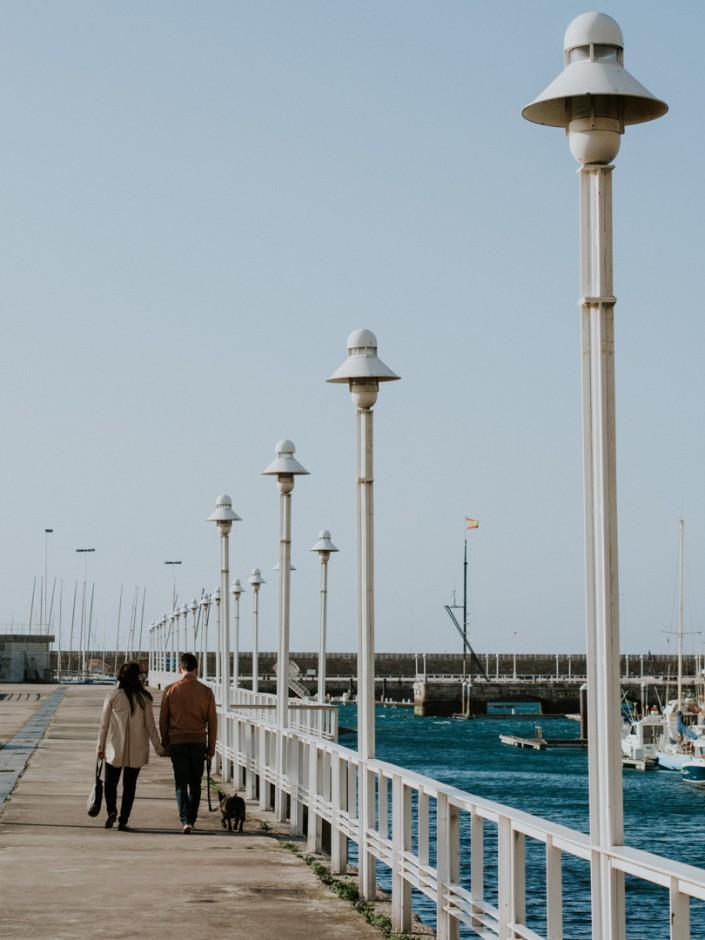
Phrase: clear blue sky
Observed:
(200, 201)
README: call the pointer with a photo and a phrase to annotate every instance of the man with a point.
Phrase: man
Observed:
(188, 724)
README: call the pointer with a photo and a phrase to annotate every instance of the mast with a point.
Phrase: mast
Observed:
(465, 604)
(680, 614)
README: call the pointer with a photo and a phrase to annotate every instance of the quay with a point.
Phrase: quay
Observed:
(65, 877)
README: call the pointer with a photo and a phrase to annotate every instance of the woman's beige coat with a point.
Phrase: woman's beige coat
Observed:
(124, 737)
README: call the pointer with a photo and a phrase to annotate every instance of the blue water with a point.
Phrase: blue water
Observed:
(661, 813)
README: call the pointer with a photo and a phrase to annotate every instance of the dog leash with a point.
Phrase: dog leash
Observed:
(208, 781)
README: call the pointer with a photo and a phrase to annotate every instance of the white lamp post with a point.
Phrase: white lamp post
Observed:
(224, 517)
(236, 590)
(284, 467)
(256, 580)
(324, 547)
(363, 371)
(193, 607)
(594, 98)
(184, 614)
(205, 604)
(215, 599)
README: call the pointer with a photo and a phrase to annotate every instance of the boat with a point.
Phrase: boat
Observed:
(685, 731)
(684, 715)
(642, 737)
(693, 770)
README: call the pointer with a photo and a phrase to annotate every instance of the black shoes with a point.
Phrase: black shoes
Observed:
(110, 821)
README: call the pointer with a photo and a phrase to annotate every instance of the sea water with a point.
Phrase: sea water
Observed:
(662, 814)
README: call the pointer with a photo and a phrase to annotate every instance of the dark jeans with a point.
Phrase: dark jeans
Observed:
(188, 761)
(129, 785)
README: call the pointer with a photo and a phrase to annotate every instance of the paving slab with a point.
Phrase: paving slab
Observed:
(65, 877)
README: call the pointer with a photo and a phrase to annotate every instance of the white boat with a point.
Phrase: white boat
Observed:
(642, 738)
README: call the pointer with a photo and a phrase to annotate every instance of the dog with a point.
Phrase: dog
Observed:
(233, 810)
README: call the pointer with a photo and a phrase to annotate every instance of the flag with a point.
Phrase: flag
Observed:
(471, 523)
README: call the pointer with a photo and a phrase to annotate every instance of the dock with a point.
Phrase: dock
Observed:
(66, 877)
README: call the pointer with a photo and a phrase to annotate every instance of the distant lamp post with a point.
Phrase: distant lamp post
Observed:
(362, 371)
(215, 599)
(224, 517)
(173, 581)
(193, 607)
(236, 590)
(285, 467)
(593, 99)
(324, 547)
(205, 605)
(256, 580)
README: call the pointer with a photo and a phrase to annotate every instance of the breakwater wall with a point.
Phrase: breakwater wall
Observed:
(444, 683)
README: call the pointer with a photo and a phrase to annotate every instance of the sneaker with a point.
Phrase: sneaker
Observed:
(123, 827)
(187, 829)
(110, 821)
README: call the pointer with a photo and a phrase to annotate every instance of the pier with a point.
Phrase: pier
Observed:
(65, 876)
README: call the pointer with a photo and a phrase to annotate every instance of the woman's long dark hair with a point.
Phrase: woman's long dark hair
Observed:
(131, 684)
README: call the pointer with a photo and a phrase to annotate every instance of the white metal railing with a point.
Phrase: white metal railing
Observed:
(479, 879)
(471, 857)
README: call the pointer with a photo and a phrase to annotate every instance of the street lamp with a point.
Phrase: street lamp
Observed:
(236, 590)
(193, 607)
(205, 604)
(173, 581)
(324, 547)
(284, 467)
(363, 371)
(224, 517)
(215, 599)
(256, 580)
(593, 99)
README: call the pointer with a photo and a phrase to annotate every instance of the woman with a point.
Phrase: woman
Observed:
(126, 728)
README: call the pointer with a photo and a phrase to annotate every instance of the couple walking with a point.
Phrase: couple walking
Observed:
(188, 726)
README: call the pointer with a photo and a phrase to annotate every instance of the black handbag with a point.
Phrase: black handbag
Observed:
(95, 800)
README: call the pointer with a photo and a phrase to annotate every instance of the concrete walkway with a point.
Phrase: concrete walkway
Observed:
(63, 875)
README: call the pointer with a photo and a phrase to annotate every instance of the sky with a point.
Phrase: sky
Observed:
(201, 201)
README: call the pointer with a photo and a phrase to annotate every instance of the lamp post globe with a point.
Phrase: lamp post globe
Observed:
(594, 98)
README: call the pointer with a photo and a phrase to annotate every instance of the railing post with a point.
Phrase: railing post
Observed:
(448, 851)
(401, 842)
(338, 841)
(554, 892)
(680, 913)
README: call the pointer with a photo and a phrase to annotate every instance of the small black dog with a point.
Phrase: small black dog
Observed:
(233, 809)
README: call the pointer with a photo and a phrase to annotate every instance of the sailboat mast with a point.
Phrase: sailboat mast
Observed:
(680, 615)
(465, 606)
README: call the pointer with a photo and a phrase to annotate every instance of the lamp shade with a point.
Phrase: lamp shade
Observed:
(593, 48)
(284, 463)
(224, 511)
(362, 361)
(324, 543)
